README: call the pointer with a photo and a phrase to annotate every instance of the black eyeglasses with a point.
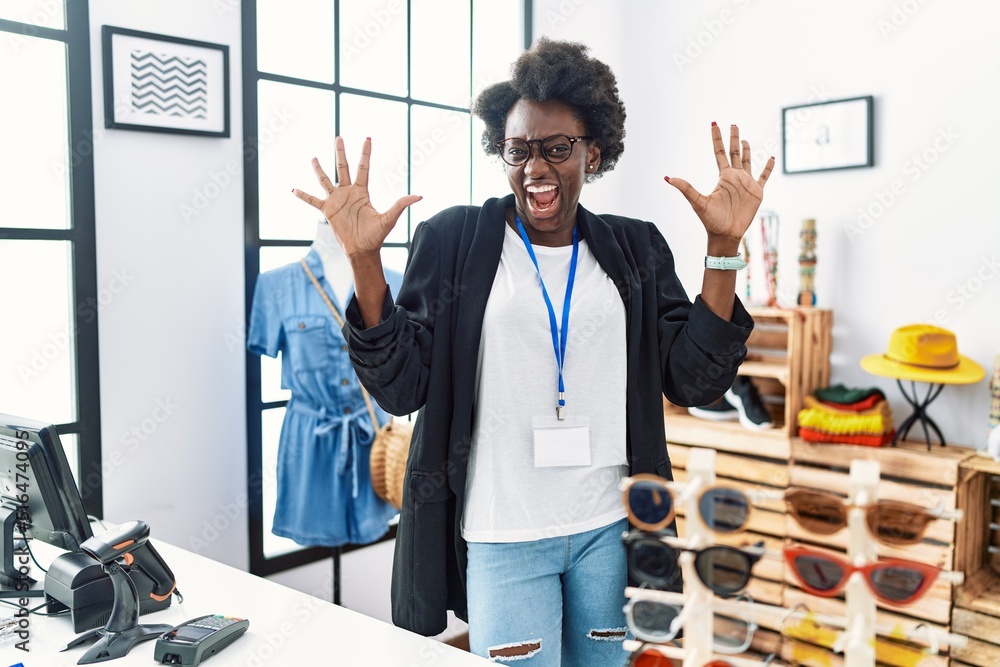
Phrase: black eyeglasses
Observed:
(554, 149)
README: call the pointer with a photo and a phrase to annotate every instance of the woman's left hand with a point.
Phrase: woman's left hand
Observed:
(730, 208)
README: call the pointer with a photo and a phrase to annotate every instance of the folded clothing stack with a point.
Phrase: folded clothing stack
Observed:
(849, 416)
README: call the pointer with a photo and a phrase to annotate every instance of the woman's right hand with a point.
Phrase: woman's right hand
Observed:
(359, 228)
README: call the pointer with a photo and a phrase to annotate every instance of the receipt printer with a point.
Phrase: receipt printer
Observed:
(76, 581)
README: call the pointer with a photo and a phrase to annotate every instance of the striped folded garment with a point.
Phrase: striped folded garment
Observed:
(813, 435)
(821, 422)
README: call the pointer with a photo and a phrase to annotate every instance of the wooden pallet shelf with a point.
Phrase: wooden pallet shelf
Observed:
(788, 357)
(976, 612)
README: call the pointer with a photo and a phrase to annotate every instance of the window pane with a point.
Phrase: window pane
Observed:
(295, 38)
(274, 257)
(37, 355)
(497, 40)
(440, 146)
(270, 422)
(373, 45)
(71, 445)
(394, 258)
(34, 187)
(385, 123)
(488, 176)
(440, 30)
(44, 13)
(295, 124)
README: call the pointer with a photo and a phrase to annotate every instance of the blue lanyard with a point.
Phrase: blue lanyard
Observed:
(559, 336)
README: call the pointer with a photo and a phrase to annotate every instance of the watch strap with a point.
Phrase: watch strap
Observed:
(725, 263)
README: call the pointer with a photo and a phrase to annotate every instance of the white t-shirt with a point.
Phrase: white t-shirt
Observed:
(507, 498)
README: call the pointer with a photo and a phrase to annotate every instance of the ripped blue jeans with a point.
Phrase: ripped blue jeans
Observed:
(555, 602)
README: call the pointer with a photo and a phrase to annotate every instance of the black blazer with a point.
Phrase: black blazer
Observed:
(423, 356)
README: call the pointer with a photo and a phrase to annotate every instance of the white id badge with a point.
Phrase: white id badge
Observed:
(563, 442)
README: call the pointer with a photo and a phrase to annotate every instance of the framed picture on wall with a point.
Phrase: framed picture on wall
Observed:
(157, 83)
(829, 135)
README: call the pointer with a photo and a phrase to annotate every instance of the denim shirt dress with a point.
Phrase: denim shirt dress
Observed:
(325, 495)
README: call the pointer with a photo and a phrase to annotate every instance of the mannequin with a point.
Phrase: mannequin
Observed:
(336, 266)
(324, 491)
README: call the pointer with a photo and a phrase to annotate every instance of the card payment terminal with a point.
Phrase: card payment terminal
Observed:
(198, 639)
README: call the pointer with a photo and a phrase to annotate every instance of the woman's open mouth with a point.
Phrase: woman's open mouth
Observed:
(542, 197)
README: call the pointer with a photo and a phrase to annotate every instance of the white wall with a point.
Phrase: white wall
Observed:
(172, 385)
(683, 65)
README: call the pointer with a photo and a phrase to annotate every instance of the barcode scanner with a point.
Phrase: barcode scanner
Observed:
(118, 551)
(129, 542)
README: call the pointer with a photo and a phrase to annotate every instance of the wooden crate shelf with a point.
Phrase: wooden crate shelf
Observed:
(976, 611)
(788, 357)
(908, 472)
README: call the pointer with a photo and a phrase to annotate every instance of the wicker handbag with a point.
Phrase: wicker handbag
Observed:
(391, 445)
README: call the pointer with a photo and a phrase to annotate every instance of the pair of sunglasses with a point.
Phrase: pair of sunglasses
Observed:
(893, 581)
(649, 655)
(891, 522)
(811, 642)
(653, 561)
(651, 504)
(652, 620)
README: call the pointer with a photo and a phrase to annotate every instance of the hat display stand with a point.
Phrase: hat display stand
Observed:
(927, 354)
(919, 413)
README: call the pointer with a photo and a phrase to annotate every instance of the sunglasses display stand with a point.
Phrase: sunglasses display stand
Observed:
(860, 648)
(698, 632)
(699, 625)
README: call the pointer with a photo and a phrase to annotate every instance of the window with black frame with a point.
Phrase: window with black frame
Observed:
(50, 298)
(403, 72)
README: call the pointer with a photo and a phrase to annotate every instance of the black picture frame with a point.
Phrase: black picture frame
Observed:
(159, 83)
(828, 136)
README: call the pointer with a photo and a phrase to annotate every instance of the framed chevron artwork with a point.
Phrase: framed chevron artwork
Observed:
(157, 83)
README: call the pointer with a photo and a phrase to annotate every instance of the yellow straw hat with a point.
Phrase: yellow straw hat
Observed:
(924, 353)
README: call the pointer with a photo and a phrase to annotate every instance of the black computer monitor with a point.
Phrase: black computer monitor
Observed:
(39, 499)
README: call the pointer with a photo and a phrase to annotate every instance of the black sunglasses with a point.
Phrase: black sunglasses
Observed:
(653, 561)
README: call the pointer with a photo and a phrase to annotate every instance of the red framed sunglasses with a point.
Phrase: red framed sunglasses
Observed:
(893, 581)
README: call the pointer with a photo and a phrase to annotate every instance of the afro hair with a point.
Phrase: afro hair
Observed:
(557, 70)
